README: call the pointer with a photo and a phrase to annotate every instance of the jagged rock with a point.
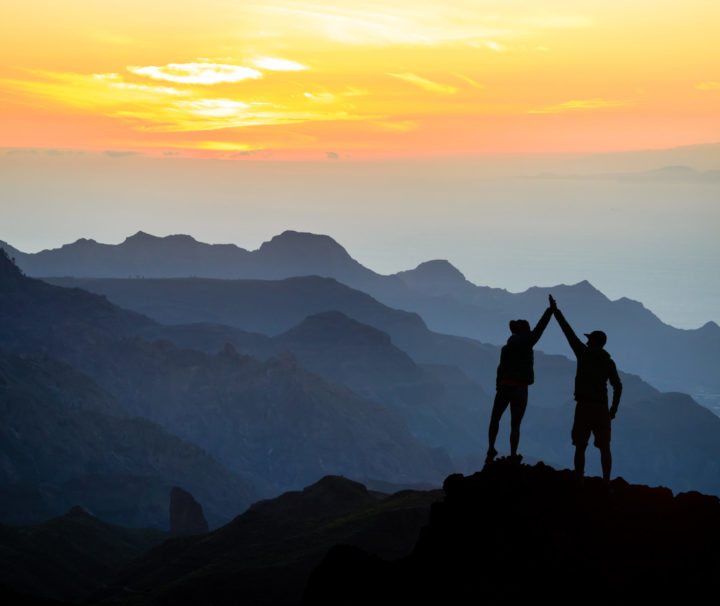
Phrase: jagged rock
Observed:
(186, 514)
(516, 534)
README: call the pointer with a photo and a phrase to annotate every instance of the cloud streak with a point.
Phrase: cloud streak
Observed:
(278, 65)
(425, 84)
(578, 105)
(469, 80)
(197, 73)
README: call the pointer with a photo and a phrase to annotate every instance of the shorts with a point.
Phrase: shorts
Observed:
(591, 417)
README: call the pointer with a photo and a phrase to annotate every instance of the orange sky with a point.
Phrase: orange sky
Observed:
(352, 79)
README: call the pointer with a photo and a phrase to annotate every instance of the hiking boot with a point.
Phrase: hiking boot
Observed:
(491, 454)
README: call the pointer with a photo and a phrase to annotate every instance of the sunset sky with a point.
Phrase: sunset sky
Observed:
(349, 79)
(406, 130)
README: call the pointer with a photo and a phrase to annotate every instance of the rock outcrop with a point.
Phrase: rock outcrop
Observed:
(520, 534)
(186, 514)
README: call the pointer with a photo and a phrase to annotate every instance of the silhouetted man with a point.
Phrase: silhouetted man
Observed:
(514, 375)
(595, 368)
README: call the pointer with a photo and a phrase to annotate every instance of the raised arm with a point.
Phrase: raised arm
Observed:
(617, 389)
(540, 326)
(575, 343)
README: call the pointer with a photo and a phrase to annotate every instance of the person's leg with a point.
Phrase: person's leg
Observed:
(580, 459)
(499, 406)
(601, 429)
(606, 461)
(518, 405)
(580, 437)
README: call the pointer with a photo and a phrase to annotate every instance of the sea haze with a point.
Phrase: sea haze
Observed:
(629, 224)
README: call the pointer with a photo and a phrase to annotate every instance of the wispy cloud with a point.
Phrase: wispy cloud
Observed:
(423, 23)
(708, 86)
(498, 48)
(426, 84)
(323, 97)
(351, 91)
(469, 80)
(278, 65)
(151, 108)
(197, 73)
(181, 117)
(212, 108)
(578, 105)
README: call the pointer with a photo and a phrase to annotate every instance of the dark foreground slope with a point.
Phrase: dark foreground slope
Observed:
(521, 534)
(69, 557)
(264, 556)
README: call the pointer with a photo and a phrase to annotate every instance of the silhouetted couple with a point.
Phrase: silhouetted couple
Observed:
(595, 368)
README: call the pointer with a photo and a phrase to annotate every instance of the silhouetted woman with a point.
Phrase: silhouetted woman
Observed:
(514, 374)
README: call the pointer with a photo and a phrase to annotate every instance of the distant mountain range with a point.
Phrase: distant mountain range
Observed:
(441, 397)
(342, 384)
(273, 423)
(667, 357)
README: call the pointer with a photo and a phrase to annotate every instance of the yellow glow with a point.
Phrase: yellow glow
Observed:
(372, 78)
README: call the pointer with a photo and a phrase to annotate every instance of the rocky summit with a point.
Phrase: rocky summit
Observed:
(518, 534)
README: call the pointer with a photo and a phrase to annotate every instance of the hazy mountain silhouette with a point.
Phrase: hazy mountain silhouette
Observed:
(263, 305)
(670, 358)
(273, 422)
(520, 534)
(265, 555)
(63, 441)
(69, 557)
(172, 386)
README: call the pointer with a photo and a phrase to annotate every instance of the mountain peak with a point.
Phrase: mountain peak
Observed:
(292, 241)
(438, 277)
(331, 495)
(440, 269)
(710, 327)
(329, 326)
(141, 237)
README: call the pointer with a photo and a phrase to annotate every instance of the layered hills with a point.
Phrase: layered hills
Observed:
(65, 442)
(669, 358)
(273, 422)
(442, 396)
(265, 555)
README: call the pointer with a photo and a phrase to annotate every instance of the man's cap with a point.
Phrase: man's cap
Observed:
(597, 337)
